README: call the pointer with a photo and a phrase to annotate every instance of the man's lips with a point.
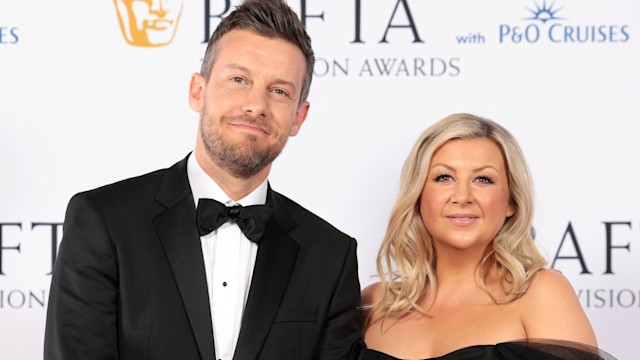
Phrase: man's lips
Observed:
(250, 127)
(462, 219)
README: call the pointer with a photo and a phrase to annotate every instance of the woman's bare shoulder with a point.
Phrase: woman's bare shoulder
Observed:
(372, 293)
(550, 289)
(552, 310)
(371, 298)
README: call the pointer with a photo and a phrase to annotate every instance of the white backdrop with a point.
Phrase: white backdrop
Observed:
(81, 107)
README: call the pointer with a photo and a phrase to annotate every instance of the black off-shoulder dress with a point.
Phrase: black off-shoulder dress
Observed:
(513, 350)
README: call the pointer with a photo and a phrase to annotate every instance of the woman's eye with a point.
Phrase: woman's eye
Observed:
(443, 178)
(485, 180)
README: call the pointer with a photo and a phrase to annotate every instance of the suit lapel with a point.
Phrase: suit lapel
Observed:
(178, 234)
(276, 258)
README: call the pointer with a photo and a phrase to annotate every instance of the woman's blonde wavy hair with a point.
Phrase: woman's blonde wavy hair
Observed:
(406, 260)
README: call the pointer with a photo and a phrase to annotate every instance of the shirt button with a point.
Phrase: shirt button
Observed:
(224, 283)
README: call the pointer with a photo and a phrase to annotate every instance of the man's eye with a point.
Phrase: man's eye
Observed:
(280, 92)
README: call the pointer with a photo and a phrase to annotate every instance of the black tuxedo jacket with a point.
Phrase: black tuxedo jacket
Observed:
(129, 280)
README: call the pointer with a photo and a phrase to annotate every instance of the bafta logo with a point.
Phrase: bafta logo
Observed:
(149, 22)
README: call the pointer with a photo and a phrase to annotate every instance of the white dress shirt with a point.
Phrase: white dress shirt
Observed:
(229, 258)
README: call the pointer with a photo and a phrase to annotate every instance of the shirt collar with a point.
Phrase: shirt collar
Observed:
(203, 186)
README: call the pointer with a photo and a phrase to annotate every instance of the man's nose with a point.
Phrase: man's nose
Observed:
(255, 102)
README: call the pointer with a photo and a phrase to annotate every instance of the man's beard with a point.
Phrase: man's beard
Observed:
(242, 159)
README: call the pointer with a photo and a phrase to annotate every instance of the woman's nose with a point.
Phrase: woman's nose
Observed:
(461, 194)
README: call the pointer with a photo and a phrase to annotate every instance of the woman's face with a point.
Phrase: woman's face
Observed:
(465, 200)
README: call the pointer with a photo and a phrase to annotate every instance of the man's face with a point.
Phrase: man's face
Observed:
(251, 104)
(149, 22)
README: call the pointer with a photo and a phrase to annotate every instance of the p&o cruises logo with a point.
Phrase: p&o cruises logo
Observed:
(8, 35)
(149, 23)
(547, 23)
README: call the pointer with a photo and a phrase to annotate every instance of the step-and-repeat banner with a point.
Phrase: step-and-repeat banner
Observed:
(95, 91)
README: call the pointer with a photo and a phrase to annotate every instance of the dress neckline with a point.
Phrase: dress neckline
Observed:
(558, 349)
(451, 353)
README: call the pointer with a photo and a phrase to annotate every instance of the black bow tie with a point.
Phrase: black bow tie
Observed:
(252, 220)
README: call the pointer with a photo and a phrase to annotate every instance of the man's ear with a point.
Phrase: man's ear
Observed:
(301, 116)
(196, 92)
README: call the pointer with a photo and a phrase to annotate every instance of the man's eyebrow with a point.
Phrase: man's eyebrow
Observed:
(238, 67)
(286, 83)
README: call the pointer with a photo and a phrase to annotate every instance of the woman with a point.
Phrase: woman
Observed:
(461, 277)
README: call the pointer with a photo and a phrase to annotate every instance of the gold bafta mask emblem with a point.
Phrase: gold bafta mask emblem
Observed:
(149, 22)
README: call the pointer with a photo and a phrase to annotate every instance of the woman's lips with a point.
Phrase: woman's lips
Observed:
(462, 219)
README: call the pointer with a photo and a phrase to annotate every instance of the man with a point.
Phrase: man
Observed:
(149, 269)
